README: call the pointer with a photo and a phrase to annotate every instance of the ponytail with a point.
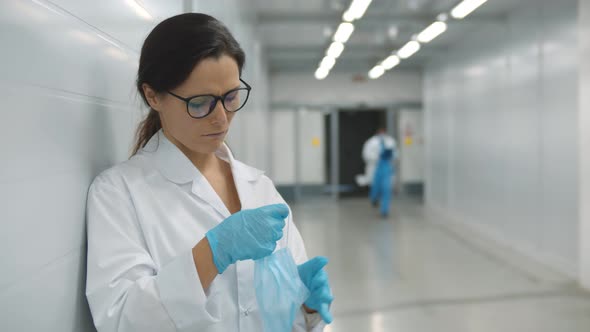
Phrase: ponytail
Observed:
(146, 129)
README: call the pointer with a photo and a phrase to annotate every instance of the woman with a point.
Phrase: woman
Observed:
(172, 232)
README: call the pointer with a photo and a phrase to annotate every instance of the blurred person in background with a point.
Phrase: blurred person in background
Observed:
(379, 153)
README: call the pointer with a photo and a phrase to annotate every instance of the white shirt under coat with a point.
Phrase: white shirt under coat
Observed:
(144, 217)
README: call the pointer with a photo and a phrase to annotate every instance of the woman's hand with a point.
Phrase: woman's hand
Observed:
(248, 234)
(315, 278)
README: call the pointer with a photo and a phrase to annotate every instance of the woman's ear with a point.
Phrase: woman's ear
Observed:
(151, 96)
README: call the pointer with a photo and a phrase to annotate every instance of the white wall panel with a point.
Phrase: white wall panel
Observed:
(584, 140)
(341, 89)
(283, 147)
(68, 105)
(49, 299)
(292, 149)
(560, 131)
(69, 108)
(44, 45)
(311, 157)
(501, 111)
(411, 153)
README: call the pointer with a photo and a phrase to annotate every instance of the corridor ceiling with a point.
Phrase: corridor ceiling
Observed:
(296, 33)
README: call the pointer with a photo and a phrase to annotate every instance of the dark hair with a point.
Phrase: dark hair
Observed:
(171, 51)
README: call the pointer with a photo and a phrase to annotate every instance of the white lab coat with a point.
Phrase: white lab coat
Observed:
(371, 151)
(144, 216)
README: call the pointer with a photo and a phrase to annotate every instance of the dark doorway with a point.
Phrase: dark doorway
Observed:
(355, 127)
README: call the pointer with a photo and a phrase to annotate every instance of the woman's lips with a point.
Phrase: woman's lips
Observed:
(215, 135)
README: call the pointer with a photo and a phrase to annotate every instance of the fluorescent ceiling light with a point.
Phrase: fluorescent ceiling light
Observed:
(139, 9)
(347, 16)
(321, 73)
(390, 62)
(409, 49)
(433, 31)
(344, 31)
(356, 10)
(335, 50)
(376, 72)
(465, 8)
(328, 62)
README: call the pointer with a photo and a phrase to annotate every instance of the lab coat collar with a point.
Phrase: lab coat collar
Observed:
(239, 169)
(176, 167)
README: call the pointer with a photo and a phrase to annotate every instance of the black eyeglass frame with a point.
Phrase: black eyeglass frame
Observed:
(216, 98)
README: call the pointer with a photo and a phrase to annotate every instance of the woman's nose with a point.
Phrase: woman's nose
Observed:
(219, 115)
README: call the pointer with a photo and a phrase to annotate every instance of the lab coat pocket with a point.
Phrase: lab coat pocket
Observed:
(247, 295)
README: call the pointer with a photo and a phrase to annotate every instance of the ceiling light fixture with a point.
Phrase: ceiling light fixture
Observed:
(335, 50)
(328, 62)
(356, 10)
(321, 73)
(344, 31)
(409, 49)
(465, 8)
(432, 31)
(390, 62)
(376, 72)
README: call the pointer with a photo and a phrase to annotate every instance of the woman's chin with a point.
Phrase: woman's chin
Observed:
(209, 147)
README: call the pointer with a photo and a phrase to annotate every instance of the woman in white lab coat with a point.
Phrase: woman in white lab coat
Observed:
(172, 231)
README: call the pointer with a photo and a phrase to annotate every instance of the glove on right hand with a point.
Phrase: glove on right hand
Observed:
(248, 234)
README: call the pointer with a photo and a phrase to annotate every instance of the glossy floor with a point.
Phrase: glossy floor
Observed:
(409, 273)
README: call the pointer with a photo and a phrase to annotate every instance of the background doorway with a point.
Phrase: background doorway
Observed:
(355, 126)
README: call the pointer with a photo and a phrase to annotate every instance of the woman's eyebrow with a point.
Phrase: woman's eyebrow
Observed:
(237, 87)
(212, 94)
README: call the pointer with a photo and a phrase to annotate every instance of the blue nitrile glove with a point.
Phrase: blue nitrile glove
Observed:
(248, 234)
(315, 278)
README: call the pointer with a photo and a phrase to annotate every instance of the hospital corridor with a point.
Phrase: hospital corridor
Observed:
(295, 166)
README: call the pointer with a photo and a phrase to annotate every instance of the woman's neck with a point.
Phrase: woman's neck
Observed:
(204, 162)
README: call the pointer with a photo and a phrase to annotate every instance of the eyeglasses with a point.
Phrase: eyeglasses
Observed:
(200, 106)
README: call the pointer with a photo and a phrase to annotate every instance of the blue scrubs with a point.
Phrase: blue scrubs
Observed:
(381, 188)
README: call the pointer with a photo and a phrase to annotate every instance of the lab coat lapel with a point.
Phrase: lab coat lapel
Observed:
(245, 178)
(176, 167)
(246, 184)
(203, 190)
(245, 191)
(245, 269)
